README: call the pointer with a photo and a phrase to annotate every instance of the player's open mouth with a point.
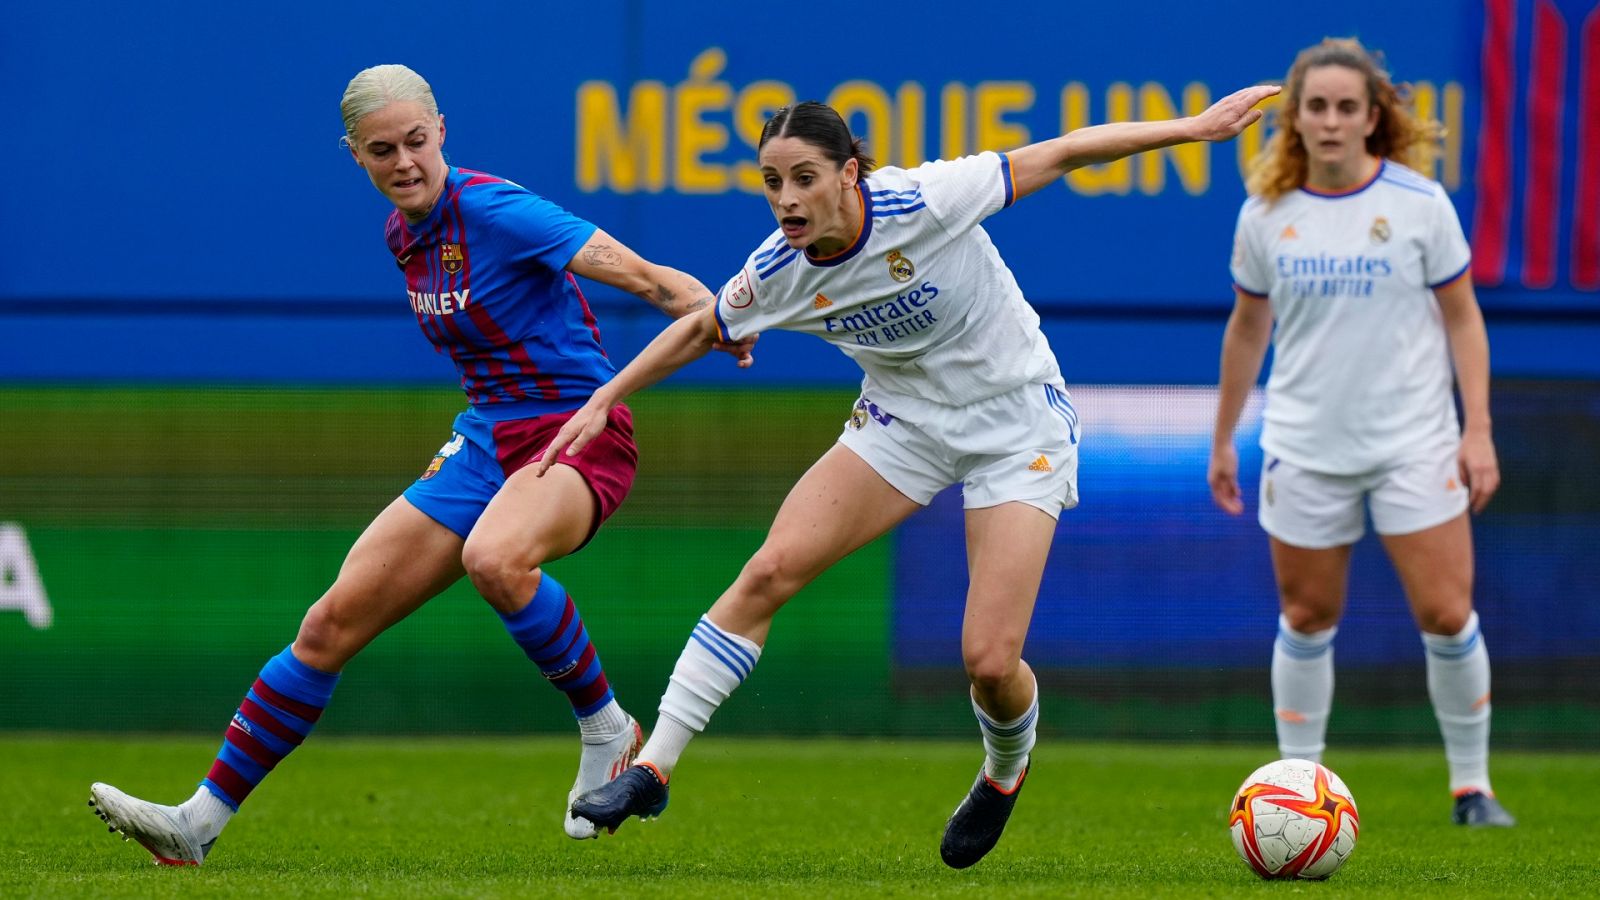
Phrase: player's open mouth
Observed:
(792, 225)
(410, 183)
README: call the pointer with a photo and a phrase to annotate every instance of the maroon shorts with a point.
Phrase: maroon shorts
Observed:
(466, 473)
(608, 464)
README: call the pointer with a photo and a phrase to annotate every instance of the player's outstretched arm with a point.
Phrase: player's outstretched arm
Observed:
(1037, 165)
(681, 343)
(608, 261)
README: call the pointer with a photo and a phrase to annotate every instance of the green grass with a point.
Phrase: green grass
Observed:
(469, 817)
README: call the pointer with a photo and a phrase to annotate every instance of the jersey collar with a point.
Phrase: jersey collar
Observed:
(1334, 195)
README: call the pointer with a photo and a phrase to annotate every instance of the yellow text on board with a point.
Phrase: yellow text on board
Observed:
(656, 137)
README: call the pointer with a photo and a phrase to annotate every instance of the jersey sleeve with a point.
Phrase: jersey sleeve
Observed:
(963, 192)
(533, 231)
(1445, 252)
(756, 298)
(742, 308)
(1249, 264)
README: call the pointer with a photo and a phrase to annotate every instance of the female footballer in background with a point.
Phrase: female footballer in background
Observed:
(1362, 263)
(894, 268)
(488, 268)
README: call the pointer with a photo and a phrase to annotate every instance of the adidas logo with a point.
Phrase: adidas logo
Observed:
(1288, 233)
(1040, 465)
(821, 302)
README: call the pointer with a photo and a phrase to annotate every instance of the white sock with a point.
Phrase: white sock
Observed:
(1302, 690)
(1006, 744)
(604, 724)
(206, 814)
(1458, 683)
(712, 664)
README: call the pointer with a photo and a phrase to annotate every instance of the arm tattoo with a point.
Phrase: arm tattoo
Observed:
(702, 303)
(663, 297)
(601, 255)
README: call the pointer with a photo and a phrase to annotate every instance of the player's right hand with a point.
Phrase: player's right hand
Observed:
(1227, 117)
(584, 426)
(739, 350)
(1222, 473)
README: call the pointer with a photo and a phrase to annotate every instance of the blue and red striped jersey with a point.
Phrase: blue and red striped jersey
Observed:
(486, 276)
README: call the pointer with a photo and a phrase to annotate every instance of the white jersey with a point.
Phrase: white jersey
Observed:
(920, 299)
(1362, 372)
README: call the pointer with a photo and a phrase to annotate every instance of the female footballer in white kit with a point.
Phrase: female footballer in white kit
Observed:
(960, 386)
(1362, 263)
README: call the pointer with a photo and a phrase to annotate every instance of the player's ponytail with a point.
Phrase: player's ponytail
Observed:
(822, 127)
(373, 89)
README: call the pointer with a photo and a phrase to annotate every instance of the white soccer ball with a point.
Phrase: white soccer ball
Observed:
(1294, 819)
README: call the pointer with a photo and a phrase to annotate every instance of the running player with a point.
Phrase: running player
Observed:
(1362, 263)
(489, 271)
(895, 269)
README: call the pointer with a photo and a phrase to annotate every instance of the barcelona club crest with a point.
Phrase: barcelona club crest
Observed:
(450, 255)
(448, 450)
(1380, 230)
(900, 268)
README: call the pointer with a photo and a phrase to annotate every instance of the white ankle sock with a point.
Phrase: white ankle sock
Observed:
(603, 725)
(205, 814)
(1006, 744)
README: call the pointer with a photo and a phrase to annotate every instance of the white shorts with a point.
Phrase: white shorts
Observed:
(1315, 510)
(1020, 446)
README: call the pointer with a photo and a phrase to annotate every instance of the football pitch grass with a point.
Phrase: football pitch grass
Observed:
(474, 817)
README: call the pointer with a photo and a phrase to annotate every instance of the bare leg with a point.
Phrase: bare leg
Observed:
(839, 505)
(402, 560)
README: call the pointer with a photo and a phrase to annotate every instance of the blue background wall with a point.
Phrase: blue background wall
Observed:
(181, 209)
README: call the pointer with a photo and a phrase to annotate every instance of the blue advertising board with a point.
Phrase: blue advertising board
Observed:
(181, 158)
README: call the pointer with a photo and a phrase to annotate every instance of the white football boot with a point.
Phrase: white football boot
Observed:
(163, 830)
(599, 764)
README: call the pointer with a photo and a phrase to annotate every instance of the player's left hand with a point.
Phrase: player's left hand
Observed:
(1232, 114)
(1479, 468)
(739, 350)
(584, 426)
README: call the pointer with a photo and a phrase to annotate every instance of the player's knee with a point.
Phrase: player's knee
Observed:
(990, 668)
(1449, 621)
(324, 639)
(1308, 615)
(494, 570)
(768, 578)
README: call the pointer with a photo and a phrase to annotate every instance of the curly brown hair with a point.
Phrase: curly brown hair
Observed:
(1400, 135)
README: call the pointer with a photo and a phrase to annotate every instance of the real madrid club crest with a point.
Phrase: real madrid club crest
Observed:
(900, 268)
(450, 256)
(858, 416)
(1380, 230)
(1272, 496)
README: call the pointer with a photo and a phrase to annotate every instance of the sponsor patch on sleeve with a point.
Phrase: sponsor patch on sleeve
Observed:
(739, 294)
